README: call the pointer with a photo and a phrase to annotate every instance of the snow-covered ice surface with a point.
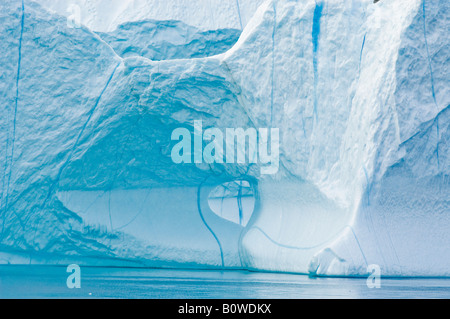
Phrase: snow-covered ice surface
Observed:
(359, 91)
(107, 15)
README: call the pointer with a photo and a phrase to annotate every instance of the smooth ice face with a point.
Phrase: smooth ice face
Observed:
(358, 91)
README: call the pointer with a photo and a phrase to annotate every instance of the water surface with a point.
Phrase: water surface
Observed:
(50, 282)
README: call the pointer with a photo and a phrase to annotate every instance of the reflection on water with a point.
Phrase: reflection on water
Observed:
(50, 282)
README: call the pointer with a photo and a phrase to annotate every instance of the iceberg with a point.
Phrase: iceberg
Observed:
(359, 92)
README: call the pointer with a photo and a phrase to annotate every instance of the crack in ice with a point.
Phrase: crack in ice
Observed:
(239, 13)
(315, 41)
(19, 62)
(205, 223)
(431, 78)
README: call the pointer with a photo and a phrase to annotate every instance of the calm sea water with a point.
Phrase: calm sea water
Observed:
(50, 282)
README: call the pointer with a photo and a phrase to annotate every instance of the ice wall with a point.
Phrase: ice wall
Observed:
(358, 90)
(351, 108)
